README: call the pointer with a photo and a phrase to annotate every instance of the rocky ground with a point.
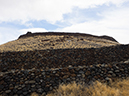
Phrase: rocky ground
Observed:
(41, 71)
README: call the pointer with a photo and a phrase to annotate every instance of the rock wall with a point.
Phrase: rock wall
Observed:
(60, 58)
(25, 82)
(22, 73)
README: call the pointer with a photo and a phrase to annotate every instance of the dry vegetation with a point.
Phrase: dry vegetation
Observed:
(118, 88)
(54, 42)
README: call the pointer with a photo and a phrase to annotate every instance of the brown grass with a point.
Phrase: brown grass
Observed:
(54, 42)
(118, 88)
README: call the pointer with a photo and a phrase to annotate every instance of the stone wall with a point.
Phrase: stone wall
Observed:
(60, 58)
(22, 73)
(24, 82)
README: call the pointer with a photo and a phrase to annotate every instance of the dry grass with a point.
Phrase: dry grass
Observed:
(54, 42)
(119, 88)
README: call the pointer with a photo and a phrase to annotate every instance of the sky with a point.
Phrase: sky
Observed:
(97, 17)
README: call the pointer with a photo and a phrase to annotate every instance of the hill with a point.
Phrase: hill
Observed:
(40, 62)
(57, 40)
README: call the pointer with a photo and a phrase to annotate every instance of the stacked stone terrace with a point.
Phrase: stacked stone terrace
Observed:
(24, 82)
(46, 59)
(22, 73)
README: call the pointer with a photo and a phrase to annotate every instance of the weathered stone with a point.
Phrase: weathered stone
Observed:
(19, 88)
(26, 82)
(126, 61)
(83, 75)
(33, 89)
(1, 86)
(16, 86)
(15, 90)
(109, 75)
(11, 88)
(15, 95)
(117, 71)
(32, 81)
(65, 76)
(102, 65)
(108, 79)
(32, 85)
(54, 72)
(32, 74)
(23, 85)
(110, 72)
(40, 90)
(43, 73)
(81, 72)
(78, 75)
(7, 91)
(121, 69)
(114, 75)
(98, 65)
(25, 93)
(73, 75)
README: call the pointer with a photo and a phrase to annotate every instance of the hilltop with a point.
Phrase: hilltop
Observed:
(57, 40)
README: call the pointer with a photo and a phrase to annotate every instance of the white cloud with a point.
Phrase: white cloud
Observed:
(50, 10)
(9, 34)
(114, 23)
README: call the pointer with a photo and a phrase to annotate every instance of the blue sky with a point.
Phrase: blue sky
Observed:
(97, 17)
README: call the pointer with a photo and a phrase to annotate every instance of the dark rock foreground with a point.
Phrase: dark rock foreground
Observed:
(41, 71)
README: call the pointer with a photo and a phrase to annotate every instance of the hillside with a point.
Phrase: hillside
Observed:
(40, 62)
(51, 40)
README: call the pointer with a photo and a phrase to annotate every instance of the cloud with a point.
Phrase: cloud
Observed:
(49, 10)
(113, 23)
(9, 34)
(67, 15)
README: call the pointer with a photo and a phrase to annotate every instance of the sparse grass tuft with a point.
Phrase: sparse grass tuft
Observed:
(119, 88)
(34, 94)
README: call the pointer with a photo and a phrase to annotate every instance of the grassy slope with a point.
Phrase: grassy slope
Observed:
(55, 42)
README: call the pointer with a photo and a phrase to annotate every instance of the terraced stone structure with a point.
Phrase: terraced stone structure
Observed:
(41, 71)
